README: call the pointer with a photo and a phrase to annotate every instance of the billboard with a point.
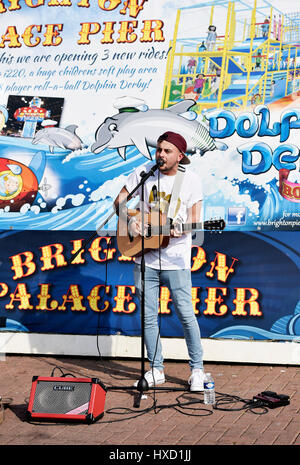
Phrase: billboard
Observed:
(86, 88)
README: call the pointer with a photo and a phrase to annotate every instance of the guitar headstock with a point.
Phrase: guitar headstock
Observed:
(214, 225)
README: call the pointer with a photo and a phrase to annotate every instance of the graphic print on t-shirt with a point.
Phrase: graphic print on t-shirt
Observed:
(161, 201)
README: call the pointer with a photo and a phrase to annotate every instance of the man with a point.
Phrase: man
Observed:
(168, 266)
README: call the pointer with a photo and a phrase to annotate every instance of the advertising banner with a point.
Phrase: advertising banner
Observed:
(238, 282)
(86, 88)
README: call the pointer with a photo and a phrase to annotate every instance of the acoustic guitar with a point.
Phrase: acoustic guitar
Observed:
(157, 229)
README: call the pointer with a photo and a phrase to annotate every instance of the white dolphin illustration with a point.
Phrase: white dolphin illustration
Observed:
(59, 137)
(142, 129)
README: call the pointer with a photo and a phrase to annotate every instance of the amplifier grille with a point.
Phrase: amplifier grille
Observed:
(62, 397)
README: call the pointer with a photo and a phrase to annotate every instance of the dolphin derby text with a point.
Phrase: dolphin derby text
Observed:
(248, 124)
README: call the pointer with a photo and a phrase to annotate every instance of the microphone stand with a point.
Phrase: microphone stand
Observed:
(142, 382)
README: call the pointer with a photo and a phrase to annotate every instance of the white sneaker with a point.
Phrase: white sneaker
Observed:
(196, 380)
(159, 377)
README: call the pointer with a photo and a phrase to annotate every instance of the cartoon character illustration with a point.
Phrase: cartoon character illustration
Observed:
(142, 128)
(3, 116)
(58, 137)
(211, 37)
(265, 27)
(199, 83)
(19, 184)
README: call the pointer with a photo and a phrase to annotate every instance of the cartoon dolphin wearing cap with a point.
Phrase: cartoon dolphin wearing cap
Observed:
(136, 125)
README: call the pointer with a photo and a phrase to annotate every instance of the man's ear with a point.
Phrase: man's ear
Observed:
(180, 157)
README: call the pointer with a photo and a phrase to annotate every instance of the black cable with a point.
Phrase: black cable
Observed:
(158, 408)
(186, 406)
(98, 323)
(248, 404)
(63, 374)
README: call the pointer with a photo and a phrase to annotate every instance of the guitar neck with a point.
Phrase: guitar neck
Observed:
(188, 227)
(185, 227)
(192, 226)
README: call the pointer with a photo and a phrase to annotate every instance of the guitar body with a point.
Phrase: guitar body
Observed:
(132, 246)
(157, 232)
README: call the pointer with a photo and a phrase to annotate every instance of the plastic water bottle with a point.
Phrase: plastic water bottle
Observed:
(209, 389)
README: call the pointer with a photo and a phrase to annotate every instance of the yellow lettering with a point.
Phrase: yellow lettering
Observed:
(27, 36)
(199, 259)
(123, 258)
(122, 297)
(86, 30)
(43, 297)
(77, 244)
(195, 299)
(35, 4)
(20, 295)
(10, 36)
(14, 5)
(47, 256)
(164, 300)
(18, 265)
(52, 36)
(240, 302)
(221, 267)
(126, 34)
(148, 30)
(212, 299)
(4, 289)
(60, 3)
(134, 7)
(73, 296)
(2, 8)
(112, 4)
(96, 249)
(93, 298)
(108, 32)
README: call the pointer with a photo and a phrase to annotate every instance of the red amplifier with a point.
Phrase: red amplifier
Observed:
(66, 399)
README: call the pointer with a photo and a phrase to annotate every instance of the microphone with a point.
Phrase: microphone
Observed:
(155, 167)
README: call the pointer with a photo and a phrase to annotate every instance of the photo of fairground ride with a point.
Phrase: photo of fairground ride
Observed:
(248, 54)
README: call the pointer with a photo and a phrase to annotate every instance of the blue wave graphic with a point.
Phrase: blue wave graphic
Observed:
(81, 187)
(13, 325)
(251, 332)
(285, 328)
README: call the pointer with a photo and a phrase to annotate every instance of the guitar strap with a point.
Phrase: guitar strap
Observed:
(176, 191)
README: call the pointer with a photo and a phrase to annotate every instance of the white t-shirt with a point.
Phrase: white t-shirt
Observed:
(177, 255)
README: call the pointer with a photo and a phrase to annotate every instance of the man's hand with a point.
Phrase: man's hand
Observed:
(176, 231)
(135, 227)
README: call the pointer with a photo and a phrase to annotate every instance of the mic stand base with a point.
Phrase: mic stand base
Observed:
(143, 387)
